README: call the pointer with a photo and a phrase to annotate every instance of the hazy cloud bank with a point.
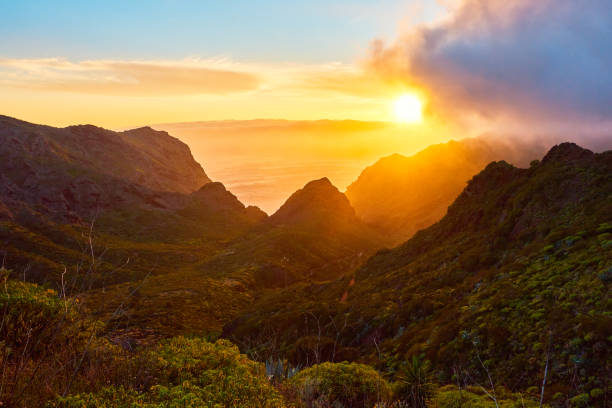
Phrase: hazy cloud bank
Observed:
(544, 62)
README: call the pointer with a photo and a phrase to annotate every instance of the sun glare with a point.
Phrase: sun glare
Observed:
(408, 109)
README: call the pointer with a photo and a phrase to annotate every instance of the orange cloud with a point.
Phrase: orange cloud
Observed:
(133, 78)
(62, 92)
(355, 82)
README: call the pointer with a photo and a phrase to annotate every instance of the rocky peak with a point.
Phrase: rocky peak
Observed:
(215, 195)
(317, 200)
(495, 174)
(566, 152)
(184, 173)
(87, 129)
(144, 156)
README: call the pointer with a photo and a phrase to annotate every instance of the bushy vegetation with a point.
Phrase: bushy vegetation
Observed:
(52, 353)
(339, 385)
(54, 356)
(46, 347)
(454, 397)
(186, 372)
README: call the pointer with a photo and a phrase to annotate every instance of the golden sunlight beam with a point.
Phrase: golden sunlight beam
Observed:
(408, 109)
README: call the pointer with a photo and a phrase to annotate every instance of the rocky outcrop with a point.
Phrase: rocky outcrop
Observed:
(318, 201)
(79, 170)
(400, 195)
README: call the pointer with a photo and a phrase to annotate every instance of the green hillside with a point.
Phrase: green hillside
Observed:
(115, 292)
(516, 274)
(401, 195)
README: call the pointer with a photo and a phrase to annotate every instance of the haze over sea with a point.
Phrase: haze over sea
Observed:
(263, 162)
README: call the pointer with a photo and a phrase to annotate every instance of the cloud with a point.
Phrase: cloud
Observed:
(116, 93)
(191, 77)
(136, 78)
(342, 79)
(545, 61)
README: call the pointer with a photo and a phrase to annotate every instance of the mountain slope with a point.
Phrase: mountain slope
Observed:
(318, 202)
(400, 195)
(315, 235)
(73, 174)
(518, 270)
(131, 189)
(76, 214)
(150, 158)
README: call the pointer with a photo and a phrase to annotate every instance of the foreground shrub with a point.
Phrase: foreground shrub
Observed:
(31, 313)
(190, 373)
(339, 385)
(453, 397)
(44, 344)
(50, 352)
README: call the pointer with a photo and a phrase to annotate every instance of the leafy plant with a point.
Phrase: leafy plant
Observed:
(339, 385)
(414, 382)
(184, 372)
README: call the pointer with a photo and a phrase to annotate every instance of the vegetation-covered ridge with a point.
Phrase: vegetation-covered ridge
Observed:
(401, 195)
(513, 282)
(120, 289)
(54, 356)
(75, 215)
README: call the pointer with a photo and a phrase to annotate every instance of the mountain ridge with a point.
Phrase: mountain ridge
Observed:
(318, 201)
(520, 261)
(152, 159)
(399, 195)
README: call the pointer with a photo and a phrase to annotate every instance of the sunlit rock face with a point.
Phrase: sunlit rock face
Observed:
(318, 201)
(400, 195)
(79, 169)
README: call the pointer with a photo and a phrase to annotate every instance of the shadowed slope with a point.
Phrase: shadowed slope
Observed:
(400, 195)
(520, 263)
(135, 188)
(315, 235)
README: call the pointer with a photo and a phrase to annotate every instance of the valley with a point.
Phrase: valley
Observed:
(515, 273)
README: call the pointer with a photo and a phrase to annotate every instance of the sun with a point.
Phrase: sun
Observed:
(408, 109)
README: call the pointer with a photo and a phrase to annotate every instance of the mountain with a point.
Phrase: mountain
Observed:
(99, 213)
(58, 187)
(400, 195)
(318, 202)
(511, 283)
(314, 236)
(515, 275)
(73, 174)
(38, 160)
(265, 161)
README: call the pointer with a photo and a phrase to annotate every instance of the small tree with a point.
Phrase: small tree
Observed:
(415, 382)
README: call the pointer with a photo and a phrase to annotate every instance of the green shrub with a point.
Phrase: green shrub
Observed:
(580, 400)
(415, 382)
(452, 397)
(31, 313)
(339, 385)
(596, 393)
(191, 373)
(43, 342)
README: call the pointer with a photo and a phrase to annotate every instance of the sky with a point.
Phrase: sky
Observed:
(124, 63)
(505, 68)
(315, 31)
(516, 65)
(478, 65)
